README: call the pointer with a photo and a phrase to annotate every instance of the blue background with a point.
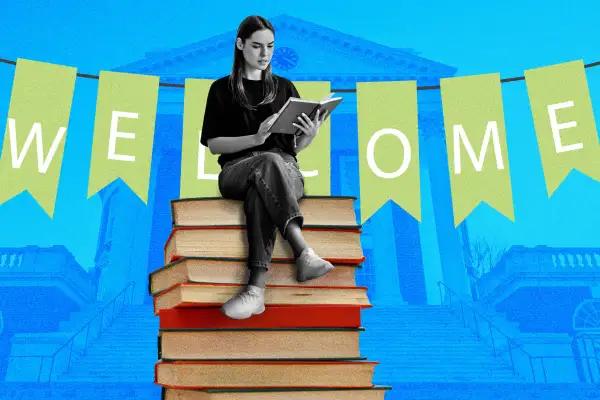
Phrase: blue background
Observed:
(73, 288)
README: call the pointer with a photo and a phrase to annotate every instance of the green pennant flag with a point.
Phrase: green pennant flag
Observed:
(388, 146)
(36, 131)
(564, 121)
(315, 160)
(476, 144)
(124, 131)
(199, 167)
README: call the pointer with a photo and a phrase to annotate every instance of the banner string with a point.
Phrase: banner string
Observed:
(181, 85)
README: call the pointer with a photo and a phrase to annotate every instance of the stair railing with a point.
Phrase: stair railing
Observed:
(69, 343)
(511, 342)
(581, 338)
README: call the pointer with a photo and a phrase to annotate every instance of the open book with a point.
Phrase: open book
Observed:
(294, 108)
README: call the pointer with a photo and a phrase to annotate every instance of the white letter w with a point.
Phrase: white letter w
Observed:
(36, 132)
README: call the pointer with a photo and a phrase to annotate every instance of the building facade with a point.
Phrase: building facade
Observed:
(409, 257)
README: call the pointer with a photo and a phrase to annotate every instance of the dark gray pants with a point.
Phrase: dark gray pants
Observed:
(270, 184)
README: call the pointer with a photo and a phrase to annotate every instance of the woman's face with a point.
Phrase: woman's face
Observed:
(258, 49)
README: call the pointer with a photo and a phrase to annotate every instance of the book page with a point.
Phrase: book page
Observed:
(324, 99)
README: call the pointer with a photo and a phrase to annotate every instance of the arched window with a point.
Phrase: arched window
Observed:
(586, 316)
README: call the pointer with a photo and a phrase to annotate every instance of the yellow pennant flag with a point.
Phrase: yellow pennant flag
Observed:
(199, 167)
(124, 131)
(36, 131)
(476, 144)
(388, 146)
(564, 122)
(315, 160)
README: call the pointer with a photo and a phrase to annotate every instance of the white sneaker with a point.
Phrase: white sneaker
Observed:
(310, 266)
(249, 302)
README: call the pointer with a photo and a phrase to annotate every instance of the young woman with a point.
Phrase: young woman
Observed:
(258, 167)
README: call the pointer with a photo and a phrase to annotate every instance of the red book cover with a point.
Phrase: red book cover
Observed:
(274, 317)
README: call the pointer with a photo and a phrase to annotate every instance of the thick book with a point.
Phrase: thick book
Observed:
(259, 344)
(207, 295)
(301, 316)
(335, 244)
(295, 107)
(370, 393)
(264, 374)
(235, 270)
(208, 211)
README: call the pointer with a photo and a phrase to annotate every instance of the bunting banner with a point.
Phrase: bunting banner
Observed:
(388, 146)
(124, 131)
(199, 167)
(476, 144)
(564, 122)
(36, 131)
(314, 161)
(388, 142)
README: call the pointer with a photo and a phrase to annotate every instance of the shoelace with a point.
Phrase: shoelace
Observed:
(248, 295)
(308, 258)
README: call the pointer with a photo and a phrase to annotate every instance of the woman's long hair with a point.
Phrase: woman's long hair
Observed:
(248, 26)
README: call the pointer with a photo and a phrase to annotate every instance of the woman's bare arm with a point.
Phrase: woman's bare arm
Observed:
(226, 145)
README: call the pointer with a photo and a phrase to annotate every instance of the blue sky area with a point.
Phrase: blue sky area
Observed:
(474, 36)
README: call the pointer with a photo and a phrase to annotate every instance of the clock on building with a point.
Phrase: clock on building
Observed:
(285, 58)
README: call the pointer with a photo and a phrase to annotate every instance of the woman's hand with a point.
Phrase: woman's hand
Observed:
(264, 129)
(308, 127)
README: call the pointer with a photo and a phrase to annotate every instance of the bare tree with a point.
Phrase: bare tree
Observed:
(481, 259)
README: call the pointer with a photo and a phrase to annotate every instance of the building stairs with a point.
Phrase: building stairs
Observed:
(428, 344)
(424, 353)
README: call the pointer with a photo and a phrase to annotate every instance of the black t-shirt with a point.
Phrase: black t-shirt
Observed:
(224, 117)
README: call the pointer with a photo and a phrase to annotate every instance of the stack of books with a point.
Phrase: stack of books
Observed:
(306, 343)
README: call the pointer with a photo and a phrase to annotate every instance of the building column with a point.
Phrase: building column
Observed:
(165, 179)
(379, 229)
(450, 248)
(387, 284)
(161, 224)
(430, 252)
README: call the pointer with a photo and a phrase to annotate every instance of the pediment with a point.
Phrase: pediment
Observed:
(304, 51)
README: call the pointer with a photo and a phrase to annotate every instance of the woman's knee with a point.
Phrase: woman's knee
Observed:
(230, 187)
